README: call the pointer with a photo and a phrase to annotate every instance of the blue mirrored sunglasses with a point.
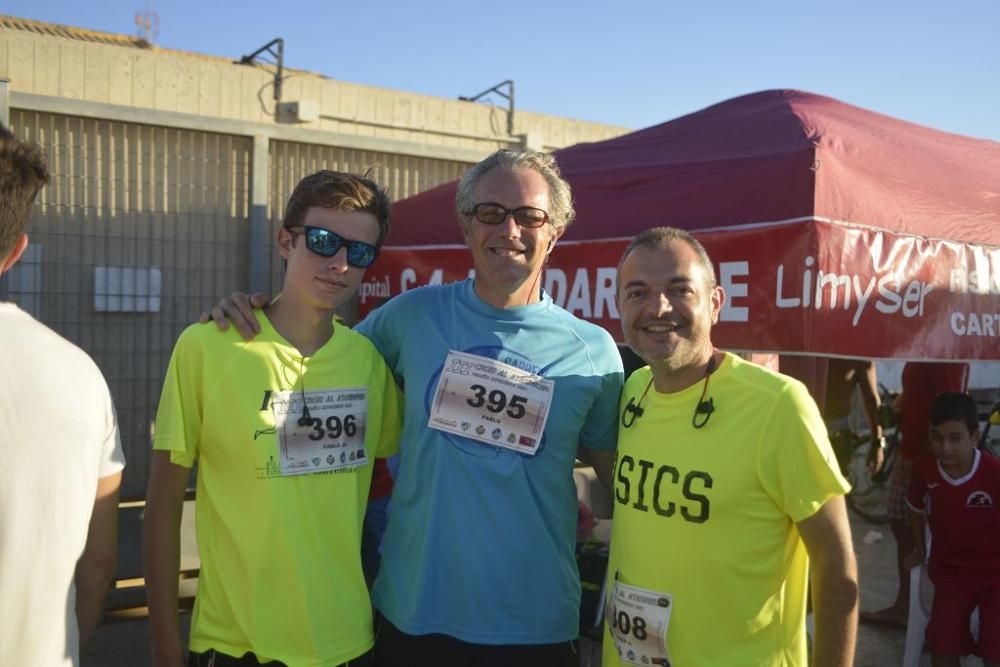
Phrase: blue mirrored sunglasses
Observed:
(327, 244)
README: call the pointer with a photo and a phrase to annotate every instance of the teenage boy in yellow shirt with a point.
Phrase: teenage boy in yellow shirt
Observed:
(284, 429)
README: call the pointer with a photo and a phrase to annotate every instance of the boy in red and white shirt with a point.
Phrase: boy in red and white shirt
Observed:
(956, 488)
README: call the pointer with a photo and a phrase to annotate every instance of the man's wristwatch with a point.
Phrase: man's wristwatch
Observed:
(880, 441)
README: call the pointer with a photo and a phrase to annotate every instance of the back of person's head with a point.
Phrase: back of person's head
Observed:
(954, 406)
(560, 211)
(341, 192)
(22, 175)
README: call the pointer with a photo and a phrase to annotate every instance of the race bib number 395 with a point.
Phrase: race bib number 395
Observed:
(492, 402)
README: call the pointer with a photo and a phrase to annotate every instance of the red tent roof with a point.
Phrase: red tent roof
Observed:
(766, 157)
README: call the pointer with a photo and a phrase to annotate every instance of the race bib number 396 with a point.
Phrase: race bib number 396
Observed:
(492, 402)
(331, 438)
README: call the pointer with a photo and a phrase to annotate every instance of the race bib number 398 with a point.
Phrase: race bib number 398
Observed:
(492, 402)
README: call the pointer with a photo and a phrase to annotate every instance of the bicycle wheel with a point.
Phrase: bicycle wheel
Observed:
(869, 494)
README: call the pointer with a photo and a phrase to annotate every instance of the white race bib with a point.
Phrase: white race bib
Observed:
(332, 439)
(638, 620)
(492, 402)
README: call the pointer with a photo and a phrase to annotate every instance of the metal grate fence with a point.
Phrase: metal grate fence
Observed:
(139, 228)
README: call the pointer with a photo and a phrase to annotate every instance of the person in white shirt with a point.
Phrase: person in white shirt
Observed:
(62, 460)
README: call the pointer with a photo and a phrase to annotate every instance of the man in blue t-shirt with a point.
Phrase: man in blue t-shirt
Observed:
(504, 389)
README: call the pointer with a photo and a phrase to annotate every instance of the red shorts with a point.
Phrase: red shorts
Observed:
(948, 629)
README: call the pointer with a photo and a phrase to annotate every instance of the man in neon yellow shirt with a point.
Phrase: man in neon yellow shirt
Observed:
(726, 490)
(284, 429)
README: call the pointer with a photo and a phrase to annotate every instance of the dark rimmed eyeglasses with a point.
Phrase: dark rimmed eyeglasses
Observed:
(490, 213)
(325, 243)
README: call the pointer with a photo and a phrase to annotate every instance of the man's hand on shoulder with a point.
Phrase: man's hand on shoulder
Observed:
(237, 308)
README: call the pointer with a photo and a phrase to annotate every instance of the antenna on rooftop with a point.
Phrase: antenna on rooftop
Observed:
(276, 49)
(147, 24)
(509, 96)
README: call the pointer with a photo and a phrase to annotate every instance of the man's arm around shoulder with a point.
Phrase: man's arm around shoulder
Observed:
(834, 572)
(96, 566)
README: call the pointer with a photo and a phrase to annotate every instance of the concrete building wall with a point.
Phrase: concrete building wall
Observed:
(79, 64)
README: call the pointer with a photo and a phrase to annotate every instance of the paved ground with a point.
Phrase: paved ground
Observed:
(123, 640)
(878, 646)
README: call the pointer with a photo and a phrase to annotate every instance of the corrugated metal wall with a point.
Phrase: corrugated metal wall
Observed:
(132, 201)
(403, 176)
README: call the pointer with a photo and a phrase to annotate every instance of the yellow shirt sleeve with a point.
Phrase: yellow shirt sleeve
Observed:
(795, 463)
(179, 416)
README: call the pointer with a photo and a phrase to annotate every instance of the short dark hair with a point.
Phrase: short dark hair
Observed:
(341, 192)
(22, 175)
(658, 237)
(954, 406)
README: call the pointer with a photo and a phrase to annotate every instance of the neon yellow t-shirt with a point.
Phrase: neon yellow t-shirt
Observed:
(708, 515)
(280, 555)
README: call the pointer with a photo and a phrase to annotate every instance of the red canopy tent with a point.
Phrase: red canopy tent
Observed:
(835, 230)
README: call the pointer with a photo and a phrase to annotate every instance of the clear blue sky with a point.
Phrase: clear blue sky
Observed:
(629, 63)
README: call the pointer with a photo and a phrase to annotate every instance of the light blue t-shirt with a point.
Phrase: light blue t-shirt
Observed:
(480, 542)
